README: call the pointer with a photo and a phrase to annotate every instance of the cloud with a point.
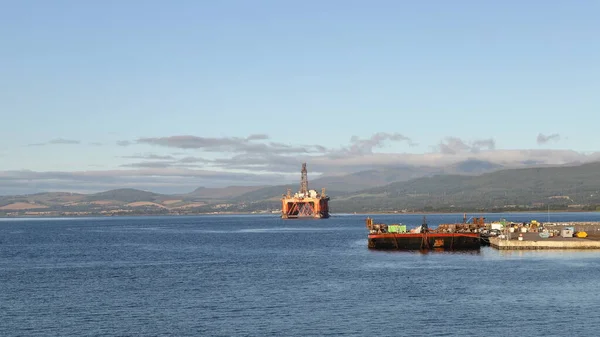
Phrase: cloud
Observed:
(489, 144)
(257, 137)
(354, 163)
(248, 155)
(543, 139)
(63, 141)
(263, 169)
(256, 160)
(227, 144)
(190, 159)
(454, 145)
(58, 141)
(148, 164)
(165, 161)
(149, 156)
(366, 146)
(269, 162)
(250, 144)
(360, 162)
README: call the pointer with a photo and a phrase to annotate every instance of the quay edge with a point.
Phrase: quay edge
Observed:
(574, 243)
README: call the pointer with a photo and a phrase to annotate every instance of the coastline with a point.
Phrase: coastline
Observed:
(98, 215)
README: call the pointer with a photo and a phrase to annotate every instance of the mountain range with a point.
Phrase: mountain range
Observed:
(469, 185)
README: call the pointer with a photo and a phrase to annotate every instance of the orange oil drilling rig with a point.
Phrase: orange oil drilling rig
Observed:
(305, 203)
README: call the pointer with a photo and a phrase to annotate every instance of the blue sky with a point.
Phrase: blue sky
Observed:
(80, 77)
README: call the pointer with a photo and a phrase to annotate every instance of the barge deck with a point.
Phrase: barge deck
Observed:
(395, 237)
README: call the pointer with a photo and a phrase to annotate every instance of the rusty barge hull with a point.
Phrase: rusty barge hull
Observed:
(425, 241)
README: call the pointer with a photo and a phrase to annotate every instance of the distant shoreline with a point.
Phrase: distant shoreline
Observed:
(482, 212)
(277, 214)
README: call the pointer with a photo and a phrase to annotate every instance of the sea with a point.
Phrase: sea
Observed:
(259, 275)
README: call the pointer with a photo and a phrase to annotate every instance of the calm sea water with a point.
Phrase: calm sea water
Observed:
(263, 276)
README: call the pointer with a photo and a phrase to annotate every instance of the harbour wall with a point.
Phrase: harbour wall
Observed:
(550, 243)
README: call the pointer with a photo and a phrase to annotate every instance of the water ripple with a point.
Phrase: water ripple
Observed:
(262, 276)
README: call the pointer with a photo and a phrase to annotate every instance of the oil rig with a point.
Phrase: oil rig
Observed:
(305, 203)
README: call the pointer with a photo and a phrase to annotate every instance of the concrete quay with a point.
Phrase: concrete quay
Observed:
(592, 228)
(532, 241)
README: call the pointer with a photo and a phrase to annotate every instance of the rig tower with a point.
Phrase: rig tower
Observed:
(305, 203)
(304, 179)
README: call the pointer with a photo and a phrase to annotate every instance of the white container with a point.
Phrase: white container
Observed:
(566, 233)
(511, 229)
(523, 230)
(496, 225)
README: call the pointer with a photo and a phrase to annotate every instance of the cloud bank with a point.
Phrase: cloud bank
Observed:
(257, 160)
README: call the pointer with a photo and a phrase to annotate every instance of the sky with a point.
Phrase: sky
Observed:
(168, 96)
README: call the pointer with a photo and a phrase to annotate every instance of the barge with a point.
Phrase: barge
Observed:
(395, 237)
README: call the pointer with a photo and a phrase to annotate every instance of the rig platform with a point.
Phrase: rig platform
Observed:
(305, 203)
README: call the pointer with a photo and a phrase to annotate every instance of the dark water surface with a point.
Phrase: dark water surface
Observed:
(262, 276)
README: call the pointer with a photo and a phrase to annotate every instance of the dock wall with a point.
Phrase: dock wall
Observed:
(575, 243)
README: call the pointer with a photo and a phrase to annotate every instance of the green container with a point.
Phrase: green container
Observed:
(397, 228)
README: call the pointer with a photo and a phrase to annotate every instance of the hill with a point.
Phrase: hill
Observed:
(411, 189)
(43, 199)
(224, 193)
(565, 186)
(343, 184)
(126, 195)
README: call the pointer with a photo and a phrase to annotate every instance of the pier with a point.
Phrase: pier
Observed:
(531, 239)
